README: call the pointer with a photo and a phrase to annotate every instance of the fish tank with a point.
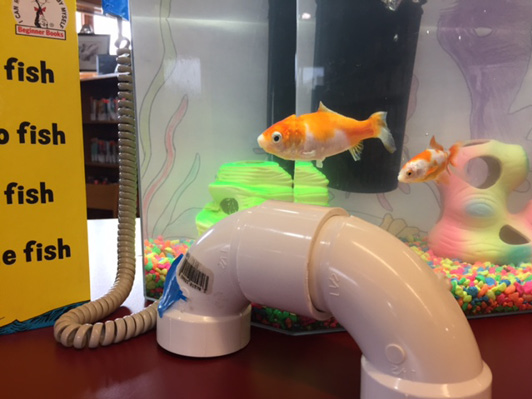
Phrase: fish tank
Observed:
(413, 115)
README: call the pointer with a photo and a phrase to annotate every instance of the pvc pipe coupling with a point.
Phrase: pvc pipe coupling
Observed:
(320, 262)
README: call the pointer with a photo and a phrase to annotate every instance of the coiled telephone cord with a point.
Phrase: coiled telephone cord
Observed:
(75, 327)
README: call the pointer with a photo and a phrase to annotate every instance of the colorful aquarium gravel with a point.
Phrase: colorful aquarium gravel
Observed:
(158, 257)
(290, 322)
(482, 288)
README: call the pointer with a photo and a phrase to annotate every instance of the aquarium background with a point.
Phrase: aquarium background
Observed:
(209, 80)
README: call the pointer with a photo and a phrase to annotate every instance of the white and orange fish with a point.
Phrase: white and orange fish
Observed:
(430, 164)
(321, 134)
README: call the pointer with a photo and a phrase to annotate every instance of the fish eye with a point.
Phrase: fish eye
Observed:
(409, 173)
(276, 137)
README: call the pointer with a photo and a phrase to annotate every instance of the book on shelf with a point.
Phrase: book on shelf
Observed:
(104, 151)
(104, 109)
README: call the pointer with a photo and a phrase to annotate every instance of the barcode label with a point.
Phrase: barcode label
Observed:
(194, 274)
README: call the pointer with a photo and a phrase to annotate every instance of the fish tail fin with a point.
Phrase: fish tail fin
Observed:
(381, 130)
(453, 152)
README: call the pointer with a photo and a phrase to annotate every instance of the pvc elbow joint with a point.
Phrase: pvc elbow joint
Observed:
(320, 262)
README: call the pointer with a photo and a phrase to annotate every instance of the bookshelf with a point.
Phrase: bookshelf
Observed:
(100, 141)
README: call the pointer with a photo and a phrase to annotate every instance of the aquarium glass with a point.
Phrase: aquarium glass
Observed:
(451, 80)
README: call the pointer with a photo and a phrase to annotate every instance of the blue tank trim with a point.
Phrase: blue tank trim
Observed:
(171, 291)
(44, 320)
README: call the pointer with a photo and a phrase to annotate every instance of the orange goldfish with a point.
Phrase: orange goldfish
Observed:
(321, 134)
(429, 164)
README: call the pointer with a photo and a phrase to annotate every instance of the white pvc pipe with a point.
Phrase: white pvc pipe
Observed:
(318, 262)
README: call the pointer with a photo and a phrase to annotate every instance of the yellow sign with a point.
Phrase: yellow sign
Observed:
(43, 230)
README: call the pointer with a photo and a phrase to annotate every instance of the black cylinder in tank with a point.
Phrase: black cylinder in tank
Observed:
(367, 53)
